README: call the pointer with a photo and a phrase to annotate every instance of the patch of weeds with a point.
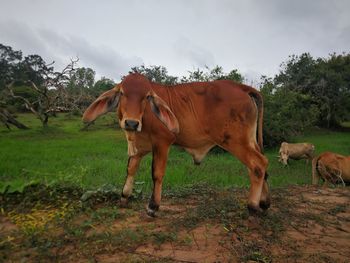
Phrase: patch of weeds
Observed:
(223, 207)
(40, 218)
(39, 194)
(123, 240)
(41, 247)
(6, 244)
(106, 214)
(252, 252)
(74, 231)
(338, 209)
(257, 256)
(162, 237)
(190, 190)
(272, 223)
(138, 190)
(318, 218)
(319, 258)
(187, 240)
(105, 193)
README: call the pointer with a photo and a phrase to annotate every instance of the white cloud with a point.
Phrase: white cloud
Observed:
(55, 47)
(193, 54)
(111, 36)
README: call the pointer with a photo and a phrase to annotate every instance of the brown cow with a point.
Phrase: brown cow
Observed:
(295, 151)
(195, 116)
(331, 167)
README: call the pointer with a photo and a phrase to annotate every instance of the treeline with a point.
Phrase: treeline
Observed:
(30, 84)
(306, 91)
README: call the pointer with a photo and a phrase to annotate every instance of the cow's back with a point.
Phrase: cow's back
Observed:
(297, 150)
(205, 110)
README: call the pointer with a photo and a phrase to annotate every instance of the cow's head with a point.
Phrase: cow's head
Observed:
(130, 97)
(283, 158)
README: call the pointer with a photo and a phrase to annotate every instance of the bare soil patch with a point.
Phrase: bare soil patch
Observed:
(304, 224)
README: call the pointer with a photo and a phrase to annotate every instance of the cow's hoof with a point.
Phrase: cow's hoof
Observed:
(150, 212)
(264, 205)
(255, 210)
(124, 202)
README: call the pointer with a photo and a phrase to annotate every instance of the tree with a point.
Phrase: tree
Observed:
(326, 81)
(102, 85)
(82, 79)
(80, 89)
(157, 74)
(217, 73)
(9, 60)
(332, 89)
(48, 86)
(286, 113)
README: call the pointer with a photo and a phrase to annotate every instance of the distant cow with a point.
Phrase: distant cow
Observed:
(331, 167)
(196, 116)
(295, 151)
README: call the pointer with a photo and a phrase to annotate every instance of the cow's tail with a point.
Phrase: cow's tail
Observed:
(315, 173)
(260, 105)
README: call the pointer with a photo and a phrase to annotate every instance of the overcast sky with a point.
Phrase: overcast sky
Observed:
(253, 36)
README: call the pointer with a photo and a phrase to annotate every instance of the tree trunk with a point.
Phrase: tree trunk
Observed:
(45, 120)
(7, 118)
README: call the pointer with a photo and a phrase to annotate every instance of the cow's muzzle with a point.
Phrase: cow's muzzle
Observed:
(131, 125)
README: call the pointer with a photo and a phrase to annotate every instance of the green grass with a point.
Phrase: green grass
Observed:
(90, 159)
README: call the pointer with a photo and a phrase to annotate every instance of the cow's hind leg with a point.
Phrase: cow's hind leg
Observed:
(259, 197)
(265, 198)
(133, 165)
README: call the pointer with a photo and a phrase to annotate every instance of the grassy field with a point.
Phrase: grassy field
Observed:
(90, 159)
(203, 216)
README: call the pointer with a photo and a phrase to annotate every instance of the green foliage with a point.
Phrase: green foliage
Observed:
(160, 74)
(306, 92)
(102, 85)
(9, 60)
(287, 113)
(324, 80)
(217, 73)
(13, 67)
(157, 74)
(82, 78)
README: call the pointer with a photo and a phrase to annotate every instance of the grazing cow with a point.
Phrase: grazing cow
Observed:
(331, 167)
(195, 116)
(295, 151)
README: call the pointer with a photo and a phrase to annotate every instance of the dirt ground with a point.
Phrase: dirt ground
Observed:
(304, 224)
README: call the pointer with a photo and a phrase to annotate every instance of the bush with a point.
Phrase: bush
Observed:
(286, 113)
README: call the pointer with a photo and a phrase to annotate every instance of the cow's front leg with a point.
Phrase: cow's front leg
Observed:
(160, 157)
(133, 165)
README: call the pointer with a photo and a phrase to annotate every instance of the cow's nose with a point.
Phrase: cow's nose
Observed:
(131, 125)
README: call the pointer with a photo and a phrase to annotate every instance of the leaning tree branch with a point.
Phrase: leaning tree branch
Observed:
(50, 92)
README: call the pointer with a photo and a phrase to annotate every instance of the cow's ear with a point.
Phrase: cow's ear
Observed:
(106, 102)
(163, 112)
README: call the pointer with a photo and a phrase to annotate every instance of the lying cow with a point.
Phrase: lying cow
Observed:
(295, 151)
(331, 167)
(195, 116)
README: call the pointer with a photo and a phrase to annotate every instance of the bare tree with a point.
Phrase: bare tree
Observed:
(51, 94)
